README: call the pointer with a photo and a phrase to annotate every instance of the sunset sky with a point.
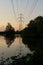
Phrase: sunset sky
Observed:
(25, 7)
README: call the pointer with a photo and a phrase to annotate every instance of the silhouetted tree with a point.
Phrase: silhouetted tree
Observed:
(33, 38)
(34, 28)
(10, 31)
(9, 27)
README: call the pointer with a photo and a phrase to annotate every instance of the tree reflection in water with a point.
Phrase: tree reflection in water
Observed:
(9, 40)
(35, 44)
(14, 60)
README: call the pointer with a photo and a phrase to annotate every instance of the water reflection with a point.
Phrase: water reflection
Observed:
(15, 47)
(22, 50)
(9, 40)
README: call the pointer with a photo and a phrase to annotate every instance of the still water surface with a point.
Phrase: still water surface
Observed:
(9, 48)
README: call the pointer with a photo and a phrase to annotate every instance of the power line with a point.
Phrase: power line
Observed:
(13, 8)
(27, 3)
(17, 5)
(33, 7)
(26, 6)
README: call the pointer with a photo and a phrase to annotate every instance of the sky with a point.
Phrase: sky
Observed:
(27, 8)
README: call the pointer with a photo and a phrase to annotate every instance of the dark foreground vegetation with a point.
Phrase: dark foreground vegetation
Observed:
(32, 36)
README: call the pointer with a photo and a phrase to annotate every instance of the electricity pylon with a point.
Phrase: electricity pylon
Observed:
(20, 22)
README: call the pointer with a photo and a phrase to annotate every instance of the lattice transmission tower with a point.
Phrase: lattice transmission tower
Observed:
(20, 22)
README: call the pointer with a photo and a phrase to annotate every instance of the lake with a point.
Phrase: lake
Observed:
(13, 47)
